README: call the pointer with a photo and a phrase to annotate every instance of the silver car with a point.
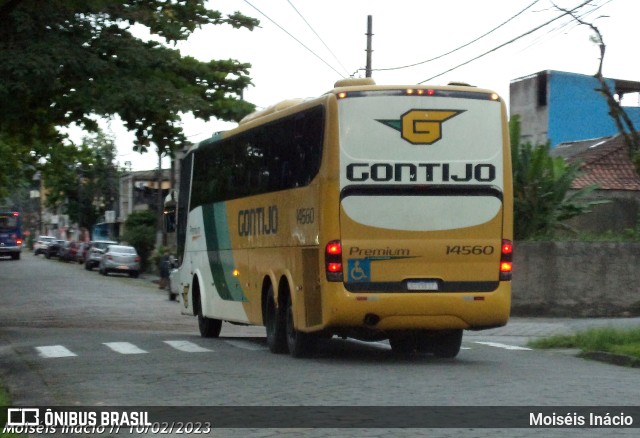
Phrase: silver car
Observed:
(120, 258)
(95, 252)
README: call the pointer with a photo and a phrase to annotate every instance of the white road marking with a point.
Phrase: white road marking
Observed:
(124, 348)
(186, 346)
(505, 346)
(245, 345)
(54, 351)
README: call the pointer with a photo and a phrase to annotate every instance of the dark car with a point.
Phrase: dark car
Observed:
(83, 249)
(94, 254)
(68, 251)
(53, 250)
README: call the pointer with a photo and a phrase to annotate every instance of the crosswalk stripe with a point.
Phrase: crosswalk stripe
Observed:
(505, 346)
(124, 348)
(186, 346)
(54, 351)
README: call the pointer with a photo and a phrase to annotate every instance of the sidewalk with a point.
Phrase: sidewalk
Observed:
(524, 329)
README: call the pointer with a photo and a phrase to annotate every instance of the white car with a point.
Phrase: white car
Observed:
(173, 287)
(41, 244)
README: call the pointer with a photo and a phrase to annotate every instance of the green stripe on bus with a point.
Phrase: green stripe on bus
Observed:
(219, 252)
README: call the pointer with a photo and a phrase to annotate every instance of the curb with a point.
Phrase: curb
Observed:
(611, 358)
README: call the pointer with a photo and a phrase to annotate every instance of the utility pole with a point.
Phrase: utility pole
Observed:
(369, 51)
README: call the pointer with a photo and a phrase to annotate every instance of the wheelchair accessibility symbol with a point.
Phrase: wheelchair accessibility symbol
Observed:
(359, 270)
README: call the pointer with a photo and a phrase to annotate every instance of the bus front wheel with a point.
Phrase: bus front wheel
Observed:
(276, 325)
(209, 327)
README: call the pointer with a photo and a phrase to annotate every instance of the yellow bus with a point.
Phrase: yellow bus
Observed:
(372, 212)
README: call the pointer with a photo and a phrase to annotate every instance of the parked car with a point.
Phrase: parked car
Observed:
(53, 250)
(94, 253)
(68, 251)
(120, 258)
(41, 244)
(81, 255)
(173, 286)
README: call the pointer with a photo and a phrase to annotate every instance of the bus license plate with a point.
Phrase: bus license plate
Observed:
(422, 285)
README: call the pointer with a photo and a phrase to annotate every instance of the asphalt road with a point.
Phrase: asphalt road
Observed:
(69, 337)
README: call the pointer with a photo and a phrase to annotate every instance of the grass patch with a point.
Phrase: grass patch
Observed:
(5, 401)
(608, 340)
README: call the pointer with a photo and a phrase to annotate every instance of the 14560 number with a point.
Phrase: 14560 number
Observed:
(305, 216)
(469, 250)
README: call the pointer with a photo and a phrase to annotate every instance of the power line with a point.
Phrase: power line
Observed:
(507, 43)
(556, 30)
(462, 46)
(316, 34)
(296, 39)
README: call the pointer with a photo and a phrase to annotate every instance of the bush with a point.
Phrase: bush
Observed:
(542, 194)
(140, 232)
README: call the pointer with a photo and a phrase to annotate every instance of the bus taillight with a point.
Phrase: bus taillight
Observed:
(333, 260)
(506, 260)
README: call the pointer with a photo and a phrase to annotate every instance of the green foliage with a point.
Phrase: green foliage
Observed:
(600, 339)
(72, 61)
(83, 178)
(541, 187)
(5, 401)
(140, 232)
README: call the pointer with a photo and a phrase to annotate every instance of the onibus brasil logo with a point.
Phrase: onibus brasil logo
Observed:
(421, 126)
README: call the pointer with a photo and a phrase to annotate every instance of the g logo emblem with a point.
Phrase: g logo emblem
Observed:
(421, 126)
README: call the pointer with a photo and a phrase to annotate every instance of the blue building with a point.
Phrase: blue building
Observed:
(560, 107)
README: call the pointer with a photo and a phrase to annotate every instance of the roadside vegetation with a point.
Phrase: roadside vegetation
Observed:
(624, 342)
(140, 233)
(5, 401)
(542, 194)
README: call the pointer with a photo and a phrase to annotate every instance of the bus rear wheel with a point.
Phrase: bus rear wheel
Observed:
(300, 344)
(276, 325)
(447, 343)
(403, 344)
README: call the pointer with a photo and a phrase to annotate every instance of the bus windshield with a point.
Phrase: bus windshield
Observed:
(8, 222)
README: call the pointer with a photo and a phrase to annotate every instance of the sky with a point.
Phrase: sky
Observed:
(303, 47)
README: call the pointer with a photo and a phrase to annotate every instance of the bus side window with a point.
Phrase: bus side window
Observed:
(286, 180)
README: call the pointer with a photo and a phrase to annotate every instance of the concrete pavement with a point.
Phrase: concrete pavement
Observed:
(520, 330)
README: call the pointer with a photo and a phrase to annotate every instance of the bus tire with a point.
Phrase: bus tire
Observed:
(403, 345)
(447, 343)
(209, 327)
(300, 344)
(275, 323)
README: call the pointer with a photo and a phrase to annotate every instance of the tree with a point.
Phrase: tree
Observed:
(543, 199)
(82, 179)
(140, 233)
(73, 61)
(616, 111)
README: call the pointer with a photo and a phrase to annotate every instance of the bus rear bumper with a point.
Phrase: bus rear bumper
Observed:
(419, 311)
(10, 249)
